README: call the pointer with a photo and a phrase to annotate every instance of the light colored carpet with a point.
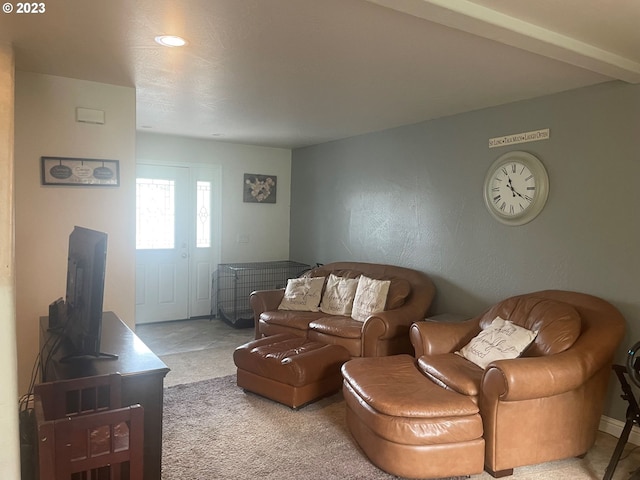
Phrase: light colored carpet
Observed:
(209, 431)
(213, 430)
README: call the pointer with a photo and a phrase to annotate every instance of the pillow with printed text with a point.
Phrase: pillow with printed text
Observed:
(338, 295)
(371, 297)
(302, 294)
(501, 340)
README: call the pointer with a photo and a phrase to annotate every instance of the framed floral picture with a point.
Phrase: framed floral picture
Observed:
(260, 188)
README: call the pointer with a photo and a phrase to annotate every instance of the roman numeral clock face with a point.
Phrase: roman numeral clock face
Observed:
(513, 188)
(516, 188)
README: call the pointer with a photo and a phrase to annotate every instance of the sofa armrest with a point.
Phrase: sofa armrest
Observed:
(264, 301)
(527, 378)
(386, 325)
(431, 337)
(537, 377)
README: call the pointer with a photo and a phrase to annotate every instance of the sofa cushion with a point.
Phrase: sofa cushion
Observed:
(338, 295)
(337, 326)
(558, 324)
(453, 372)
(371, 297)
(412, 397)
(302, 294)
(289, 318)
(399, 289)
(500, 340)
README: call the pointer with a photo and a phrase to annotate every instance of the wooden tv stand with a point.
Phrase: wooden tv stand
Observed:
(142, 377)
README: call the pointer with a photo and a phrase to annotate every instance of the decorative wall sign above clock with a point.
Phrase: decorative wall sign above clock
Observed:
(516, 188)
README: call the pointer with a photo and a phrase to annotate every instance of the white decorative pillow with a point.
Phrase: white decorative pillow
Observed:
(302, 294)
(371, 297)
(500, 340)
(338, 295)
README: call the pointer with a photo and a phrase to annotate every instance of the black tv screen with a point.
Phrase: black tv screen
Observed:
(86, 268)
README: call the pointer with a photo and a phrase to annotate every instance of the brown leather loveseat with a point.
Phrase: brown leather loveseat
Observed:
(545, 405)
(384, 333)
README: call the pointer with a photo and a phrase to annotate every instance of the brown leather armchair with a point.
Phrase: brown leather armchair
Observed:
(383, 333)
(545, 405)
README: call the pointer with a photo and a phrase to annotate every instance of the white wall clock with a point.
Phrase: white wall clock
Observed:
(516, 188)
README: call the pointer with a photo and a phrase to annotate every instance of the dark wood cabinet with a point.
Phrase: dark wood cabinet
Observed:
(142, 377)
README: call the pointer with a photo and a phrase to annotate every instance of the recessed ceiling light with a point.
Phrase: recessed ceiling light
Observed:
(171, 41)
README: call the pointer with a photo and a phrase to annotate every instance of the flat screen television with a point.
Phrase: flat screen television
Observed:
(86, 269)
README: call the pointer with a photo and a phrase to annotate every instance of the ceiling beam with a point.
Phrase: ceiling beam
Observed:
(482, 21)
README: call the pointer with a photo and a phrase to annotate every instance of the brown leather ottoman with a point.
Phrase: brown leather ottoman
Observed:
(406, 424)
(289, 369)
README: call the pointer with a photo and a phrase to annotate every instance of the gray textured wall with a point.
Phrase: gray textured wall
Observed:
(412, 196)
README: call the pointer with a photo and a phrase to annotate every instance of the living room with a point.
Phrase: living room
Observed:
(408, 196)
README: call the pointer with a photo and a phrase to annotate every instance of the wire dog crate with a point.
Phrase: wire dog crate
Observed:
(232, 284)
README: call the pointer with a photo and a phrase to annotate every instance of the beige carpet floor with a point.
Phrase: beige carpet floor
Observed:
(213, 358)
(213, 430)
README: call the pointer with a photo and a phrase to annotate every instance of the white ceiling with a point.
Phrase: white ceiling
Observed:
(290, 73)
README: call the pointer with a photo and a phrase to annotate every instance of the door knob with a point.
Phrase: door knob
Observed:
(184, 255)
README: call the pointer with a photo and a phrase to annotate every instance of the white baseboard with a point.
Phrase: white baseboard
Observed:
(614, 427)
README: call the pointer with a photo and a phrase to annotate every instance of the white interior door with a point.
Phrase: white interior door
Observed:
(175, 246)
